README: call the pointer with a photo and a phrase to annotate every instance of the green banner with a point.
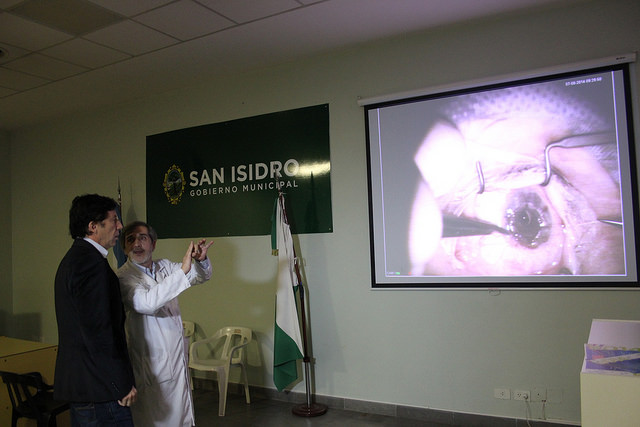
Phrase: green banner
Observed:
(222, 179)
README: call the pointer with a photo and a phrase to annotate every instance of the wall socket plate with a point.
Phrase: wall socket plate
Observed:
(539, 394)
(502, 393)
(521, 395)
(554, 395)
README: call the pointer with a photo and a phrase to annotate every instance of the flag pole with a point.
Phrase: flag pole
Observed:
(308, 409)
(121, 258)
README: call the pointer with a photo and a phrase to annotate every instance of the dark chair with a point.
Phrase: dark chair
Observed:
(32, 398)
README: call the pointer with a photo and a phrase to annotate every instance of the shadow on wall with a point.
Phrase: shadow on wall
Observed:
(25, 326)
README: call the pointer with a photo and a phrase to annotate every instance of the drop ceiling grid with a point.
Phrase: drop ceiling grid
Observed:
(42, 51)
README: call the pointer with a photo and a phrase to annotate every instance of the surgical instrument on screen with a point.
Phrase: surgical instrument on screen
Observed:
(480, 177)
(584, 140)
(611, 222)
(456, 226)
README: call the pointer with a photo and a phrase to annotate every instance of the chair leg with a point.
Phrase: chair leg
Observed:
(223, 382)
(46, 420)
(246, 384)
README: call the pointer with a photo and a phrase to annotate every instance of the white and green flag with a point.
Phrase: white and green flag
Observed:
(287, 344)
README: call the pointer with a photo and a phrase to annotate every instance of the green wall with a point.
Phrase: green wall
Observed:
(6, 290)
(439, 349)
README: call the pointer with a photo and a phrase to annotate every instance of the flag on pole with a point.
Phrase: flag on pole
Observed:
(287, 343)
(117, 249)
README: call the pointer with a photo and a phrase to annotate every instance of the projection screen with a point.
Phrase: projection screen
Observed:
(524, 183)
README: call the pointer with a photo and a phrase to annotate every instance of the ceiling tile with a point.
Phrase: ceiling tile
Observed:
(19, 81)
(131, 37)
(11, 53)
(6, 4)
(249, 10)
(45, 67)
(71, 16)
(185, 20)
(27, 34)
(130, 7)
(86, 53)
(6, 92)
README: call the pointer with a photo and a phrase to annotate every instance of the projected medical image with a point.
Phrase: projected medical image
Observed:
(519, 181)
(524, 183)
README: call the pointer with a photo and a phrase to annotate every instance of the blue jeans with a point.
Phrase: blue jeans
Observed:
(101, 414)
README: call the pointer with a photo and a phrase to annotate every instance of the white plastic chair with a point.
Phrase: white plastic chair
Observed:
(226, 349)
(189, 329)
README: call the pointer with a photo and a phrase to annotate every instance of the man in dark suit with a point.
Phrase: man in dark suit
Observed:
(93, 370)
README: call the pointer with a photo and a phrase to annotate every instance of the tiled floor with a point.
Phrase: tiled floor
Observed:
(271, 413)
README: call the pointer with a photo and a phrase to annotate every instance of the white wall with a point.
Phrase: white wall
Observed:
(438, 349)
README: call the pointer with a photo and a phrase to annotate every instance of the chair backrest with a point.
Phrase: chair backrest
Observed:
(189, 328)
(237, 338)
(20, 388)
(233, 340)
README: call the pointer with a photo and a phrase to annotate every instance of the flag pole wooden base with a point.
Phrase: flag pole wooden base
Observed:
(312, 410)
(308, 409)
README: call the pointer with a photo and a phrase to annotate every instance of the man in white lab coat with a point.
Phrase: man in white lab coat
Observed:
(155, 339)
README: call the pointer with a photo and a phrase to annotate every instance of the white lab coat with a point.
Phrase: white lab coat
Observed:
(155, 340)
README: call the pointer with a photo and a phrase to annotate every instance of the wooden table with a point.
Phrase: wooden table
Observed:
(22, 356)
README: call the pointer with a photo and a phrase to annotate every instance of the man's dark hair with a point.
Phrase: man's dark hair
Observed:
(135, 224)
(88, 208)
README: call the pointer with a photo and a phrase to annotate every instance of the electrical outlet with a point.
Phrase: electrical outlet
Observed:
(539, 395)
(502, 393)
(521, 395)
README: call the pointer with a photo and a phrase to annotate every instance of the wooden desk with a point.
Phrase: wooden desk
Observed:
(22, 356)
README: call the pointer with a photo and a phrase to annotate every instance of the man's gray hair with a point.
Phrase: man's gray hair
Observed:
(133, 225)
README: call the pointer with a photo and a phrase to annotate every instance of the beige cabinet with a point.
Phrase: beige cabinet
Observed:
(609, 400)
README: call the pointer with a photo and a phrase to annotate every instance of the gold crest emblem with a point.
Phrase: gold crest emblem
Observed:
(174, 184)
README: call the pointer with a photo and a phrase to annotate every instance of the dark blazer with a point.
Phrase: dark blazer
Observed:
(92, 363)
